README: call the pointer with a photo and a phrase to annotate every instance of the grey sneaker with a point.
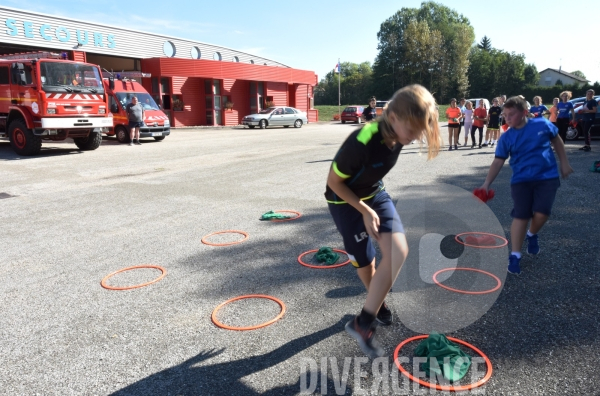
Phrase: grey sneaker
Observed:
(131, 143)
(365, 338)
(138, 142)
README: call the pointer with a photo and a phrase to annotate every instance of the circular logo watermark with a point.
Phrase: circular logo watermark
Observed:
(456, 265)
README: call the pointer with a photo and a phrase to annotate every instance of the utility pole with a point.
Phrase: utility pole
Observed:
(339, 89)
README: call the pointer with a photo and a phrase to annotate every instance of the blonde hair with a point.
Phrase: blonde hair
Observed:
(416, 105)
(538, 97)
(568, 93)
(468, 102)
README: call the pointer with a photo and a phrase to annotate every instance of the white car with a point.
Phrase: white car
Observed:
(276, 116)
(486, 103)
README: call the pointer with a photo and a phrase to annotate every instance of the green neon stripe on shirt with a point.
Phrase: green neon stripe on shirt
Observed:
(338, 172)
(362, 199)
(368, 131)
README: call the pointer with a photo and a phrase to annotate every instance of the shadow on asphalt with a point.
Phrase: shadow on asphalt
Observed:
(553, 305)
(225, 378)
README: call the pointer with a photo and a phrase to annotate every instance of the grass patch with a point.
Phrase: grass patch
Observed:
(326, 112)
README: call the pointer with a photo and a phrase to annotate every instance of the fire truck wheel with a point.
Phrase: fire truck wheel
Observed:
(92, 142)
(122, 135)
(159, 138)
(22, 140)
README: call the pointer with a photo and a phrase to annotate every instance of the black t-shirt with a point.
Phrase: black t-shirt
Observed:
(494, 114)
(370, 113)
(589, 104)
(363, 160)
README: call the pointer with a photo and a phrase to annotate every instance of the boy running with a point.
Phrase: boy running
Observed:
(535, 175)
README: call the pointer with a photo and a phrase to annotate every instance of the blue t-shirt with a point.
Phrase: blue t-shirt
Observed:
(590, 104)
(531, 157)
(564, 109)
(539, 110)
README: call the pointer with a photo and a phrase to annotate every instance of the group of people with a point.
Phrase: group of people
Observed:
(364, 212)
(561, 114)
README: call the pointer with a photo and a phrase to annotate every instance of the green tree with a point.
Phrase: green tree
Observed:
(429, 46)
(495, 72)
(355, 87)
(532, 77)
(485, 44)
(579, 73)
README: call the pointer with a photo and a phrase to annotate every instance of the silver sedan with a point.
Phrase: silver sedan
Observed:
(276, 116)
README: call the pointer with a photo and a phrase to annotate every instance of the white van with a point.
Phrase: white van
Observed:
(475, 102)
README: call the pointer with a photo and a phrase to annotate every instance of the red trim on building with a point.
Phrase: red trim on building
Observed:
(283, 86)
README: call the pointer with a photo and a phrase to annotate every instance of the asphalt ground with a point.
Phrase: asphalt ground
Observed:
(70, 218)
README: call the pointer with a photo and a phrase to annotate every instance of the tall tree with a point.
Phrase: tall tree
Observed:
(531, 75)
(579, 73)
(485, 44)
(355, 85)
(443, 48)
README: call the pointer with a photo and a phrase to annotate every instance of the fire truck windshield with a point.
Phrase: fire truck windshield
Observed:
(70, 77)
(143, 98)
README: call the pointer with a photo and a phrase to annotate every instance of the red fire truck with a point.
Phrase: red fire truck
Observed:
(51, 99)
(120, 91)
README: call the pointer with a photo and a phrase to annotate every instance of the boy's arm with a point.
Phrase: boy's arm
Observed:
(495, 168)
(559, 148)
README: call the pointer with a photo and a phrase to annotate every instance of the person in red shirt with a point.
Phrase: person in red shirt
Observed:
(454, 116)
(479, 117)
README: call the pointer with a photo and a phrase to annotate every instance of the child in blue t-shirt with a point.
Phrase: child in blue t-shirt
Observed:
(538, 109)
(535, 174)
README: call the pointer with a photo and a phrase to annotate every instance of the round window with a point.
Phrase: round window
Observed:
(217, 56)
(169, 49)
(236, 59)
(195, 52)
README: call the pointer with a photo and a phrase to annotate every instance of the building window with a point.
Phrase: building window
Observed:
(165, 85)
(236, 59)
(213, 102)
(252, 61)
(177, 103)
(4, 75)
(154, 81)
(217, 56)
(169, 49)
(195, 53)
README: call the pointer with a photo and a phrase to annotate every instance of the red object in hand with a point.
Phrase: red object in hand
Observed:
(483, 195)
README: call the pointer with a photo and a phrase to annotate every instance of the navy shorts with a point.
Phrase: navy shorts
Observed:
(135, 124)
(533, 197)
(350, 224)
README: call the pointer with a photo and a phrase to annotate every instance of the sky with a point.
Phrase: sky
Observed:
(313, 35)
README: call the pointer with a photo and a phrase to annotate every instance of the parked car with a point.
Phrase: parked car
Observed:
(379, 105)
(576, 129)
(276, 116)
(486, 103)
(352, 113)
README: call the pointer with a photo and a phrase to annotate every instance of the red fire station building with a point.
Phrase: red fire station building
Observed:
(195, 83)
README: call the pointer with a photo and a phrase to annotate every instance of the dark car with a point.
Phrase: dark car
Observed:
(352, 113)
(575, 130)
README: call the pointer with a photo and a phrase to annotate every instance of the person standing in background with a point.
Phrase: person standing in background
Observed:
(468, 120)
(371, 111)
(565, 114)
(590, 107)
(454, 116)
(538, 109)
(479, 117)
(462, 108)
(136, 116)
(553, 112)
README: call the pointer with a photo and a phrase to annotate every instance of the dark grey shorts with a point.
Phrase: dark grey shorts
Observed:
(533, 197)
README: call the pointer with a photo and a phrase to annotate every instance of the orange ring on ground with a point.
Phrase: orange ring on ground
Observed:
(298, 215)
(104, 285)
(482, 247)
(224, 232)
(482, 381)
(322, 266)
(466, 291)
(224, 326)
